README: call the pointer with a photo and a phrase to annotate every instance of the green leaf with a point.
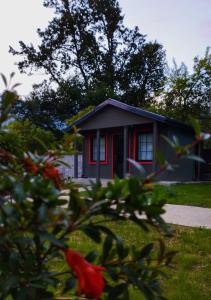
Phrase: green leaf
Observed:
(4, 79)
(145, 251)
(107, 246)
(92, 232)
(15, 85)
(91, 256)
(196, 158)
(160, 157)
(69, 284)
(139, 167)
(196, 126)
(117, 291)
(122, 251)
(168, 141)
(50, 237)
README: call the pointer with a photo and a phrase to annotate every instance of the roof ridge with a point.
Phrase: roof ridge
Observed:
(133, 109)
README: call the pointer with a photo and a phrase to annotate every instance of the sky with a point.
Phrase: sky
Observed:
(183, 27)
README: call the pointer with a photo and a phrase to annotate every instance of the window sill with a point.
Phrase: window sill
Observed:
(101, 163)
(144, 162)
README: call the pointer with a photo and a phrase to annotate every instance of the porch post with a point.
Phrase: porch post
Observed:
(75, 160)
(155, 144)
(125, 151)
(199, 164)
(98, 155)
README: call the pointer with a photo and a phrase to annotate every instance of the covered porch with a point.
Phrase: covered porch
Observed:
(106, 151)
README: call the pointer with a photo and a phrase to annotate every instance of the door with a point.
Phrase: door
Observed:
(117, 155)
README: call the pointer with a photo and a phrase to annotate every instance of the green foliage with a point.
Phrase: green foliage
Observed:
(49, 108)
(79, 115)
(36, 225)
(188, 94)
(91, 55)
(22, 136)
(33, 138)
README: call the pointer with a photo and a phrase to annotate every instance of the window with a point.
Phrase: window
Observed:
(93, 149)
(144, 149)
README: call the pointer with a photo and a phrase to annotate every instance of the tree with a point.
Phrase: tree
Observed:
(189, 94)
(48, 108)
(34, 139)
(87, 45)
(24, 136)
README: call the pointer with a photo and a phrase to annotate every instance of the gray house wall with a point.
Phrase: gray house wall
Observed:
(89, 170)
(184, 169)
(111, 120)
(113, 117)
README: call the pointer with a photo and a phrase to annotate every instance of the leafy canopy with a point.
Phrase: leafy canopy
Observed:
(87, 45)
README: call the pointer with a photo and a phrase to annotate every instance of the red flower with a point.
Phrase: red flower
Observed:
(5, 155)
(30, 166)
(91, 281)
(52, 173)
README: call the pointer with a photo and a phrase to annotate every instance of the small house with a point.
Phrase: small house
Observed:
(115, 132)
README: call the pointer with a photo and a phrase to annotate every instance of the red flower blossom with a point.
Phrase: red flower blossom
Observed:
(52, 173)
(6, 156)
(30, 166)
(91, 281)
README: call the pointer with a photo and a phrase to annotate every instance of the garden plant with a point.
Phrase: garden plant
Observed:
(36, 224)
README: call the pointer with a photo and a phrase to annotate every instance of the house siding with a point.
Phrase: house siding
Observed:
(111, 121)
(111, 117)
(90, 170)
(184, 168)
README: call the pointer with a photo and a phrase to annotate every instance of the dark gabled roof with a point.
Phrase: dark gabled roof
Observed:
(132, 109)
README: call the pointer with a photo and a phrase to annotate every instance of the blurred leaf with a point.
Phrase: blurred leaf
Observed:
(92, 232)
(4, 79)
(117, 291)
(196, 158)
(145, 251)
(168, 141)
(91, 256)
(196, 126)
(139, 167)
(107, 247)
(160, 157)
(69, 284)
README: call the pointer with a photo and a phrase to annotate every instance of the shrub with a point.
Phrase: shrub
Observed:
(36, 224)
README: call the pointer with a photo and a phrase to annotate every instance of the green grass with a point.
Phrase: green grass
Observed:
(191, 277)
(196, 194)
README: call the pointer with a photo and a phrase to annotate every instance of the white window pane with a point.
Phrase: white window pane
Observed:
(102, 156)
(144, 155)
(102, 149)
(102, 142)
(149, 137)
(94, 155)
(149, 156)
(145, 147)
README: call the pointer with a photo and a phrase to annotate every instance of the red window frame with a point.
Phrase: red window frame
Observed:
(136, 132)
(90, 161)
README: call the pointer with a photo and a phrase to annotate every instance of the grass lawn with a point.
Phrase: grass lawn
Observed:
(196, 194)
(191, 278)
